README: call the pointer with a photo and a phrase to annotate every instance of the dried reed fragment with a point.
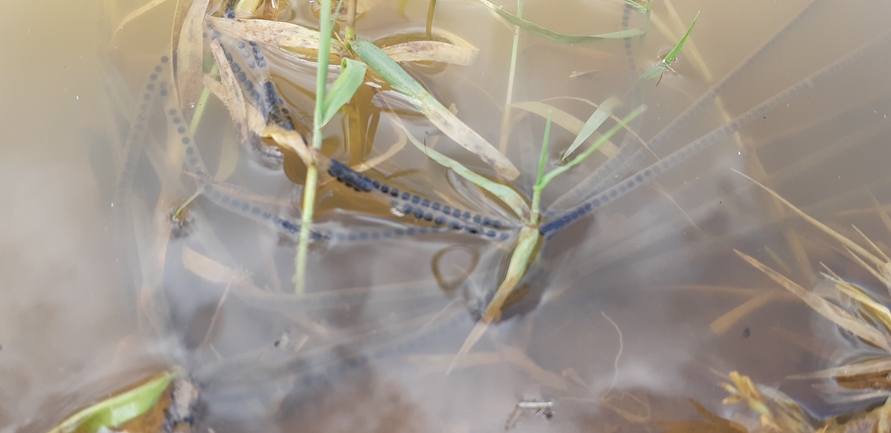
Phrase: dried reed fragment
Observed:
(275, 33)
(832, 312)
(778, 412)
(190, 54)
(432, 51)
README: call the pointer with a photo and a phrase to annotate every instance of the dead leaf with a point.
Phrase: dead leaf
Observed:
(432, 51)
(206, 267)
(229, 92)
(777, 411)
(290, 140)
(276, 33)
(190, 54)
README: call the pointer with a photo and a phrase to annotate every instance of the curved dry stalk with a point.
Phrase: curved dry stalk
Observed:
(828, 310)
(823, 227)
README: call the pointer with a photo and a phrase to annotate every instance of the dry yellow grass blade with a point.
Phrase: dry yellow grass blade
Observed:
(229, 91)
(401, 140)
(207, 268)
(179, 16)
(877, 420)
(824, 307)
(432, 51)
(861, 369)
(475, 334)
(872, 244)
(723, 324)
(290, 140)
(823, 227)
(190, 54)
(136, 14)
(778, 413)
(277, 33)
(879, 312)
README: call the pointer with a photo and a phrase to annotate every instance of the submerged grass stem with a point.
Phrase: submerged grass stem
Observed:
(312, 170)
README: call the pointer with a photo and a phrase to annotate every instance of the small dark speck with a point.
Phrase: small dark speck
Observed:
(720, 201)
(277, 342)
(765, 117)
(746, 333)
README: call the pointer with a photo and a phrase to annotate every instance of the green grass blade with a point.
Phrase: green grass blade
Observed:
(554, 36)
(504, 193)
(113, 412)
(659, 68)
(440, 116)
(543, 157)
(673, 54)
(563, 119)
(652, 73)
(640, 8)
(542, 164)
(352, 75)
(597, 118)
(597, 143)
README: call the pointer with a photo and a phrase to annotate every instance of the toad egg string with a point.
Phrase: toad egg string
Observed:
(444, 217)
(560, 221)
(137, 133)
(618, 167)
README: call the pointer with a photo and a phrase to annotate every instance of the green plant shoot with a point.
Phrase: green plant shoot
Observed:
(597, 118)
(312, 170)
(665, 65)
(112, 412)
(440, 116)
(554, 36)
(530, 236)
(352, 75)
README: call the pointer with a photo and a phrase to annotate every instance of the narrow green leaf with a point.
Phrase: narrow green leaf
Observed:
(504, 193)
(113, 412)
(352, 75)
(655, 71)
(673, 54)
(542, 163)
(640, 8)
(554, 36)
(597, 118)
(543, 157)
(659, 68)
(440, 116)
(559, 170)
(563, 119)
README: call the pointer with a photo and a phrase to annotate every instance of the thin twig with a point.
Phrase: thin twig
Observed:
(618, 355)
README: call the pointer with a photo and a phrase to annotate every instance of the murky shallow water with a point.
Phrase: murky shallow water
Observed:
(619, 328)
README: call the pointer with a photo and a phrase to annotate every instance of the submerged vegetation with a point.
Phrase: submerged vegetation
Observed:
(856, 311)
(505, 198)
